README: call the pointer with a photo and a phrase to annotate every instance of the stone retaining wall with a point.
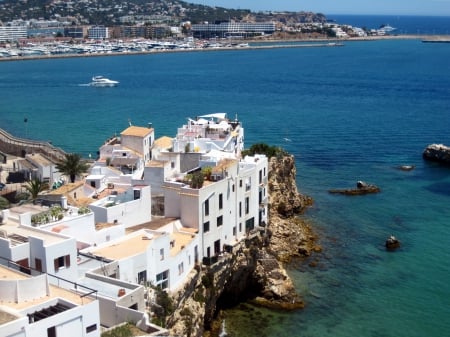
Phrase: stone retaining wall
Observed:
(19, 147)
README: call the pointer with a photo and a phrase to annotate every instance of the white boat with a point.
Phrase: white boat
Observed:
(100, 81)
(387, 28)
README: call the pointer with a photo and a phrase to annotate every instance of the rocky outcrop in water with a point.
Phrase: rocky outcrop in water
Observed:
(438, 153)
(254, 269)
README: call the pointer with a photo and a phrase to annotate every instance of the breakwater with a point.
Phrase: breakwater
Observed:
(20, 146)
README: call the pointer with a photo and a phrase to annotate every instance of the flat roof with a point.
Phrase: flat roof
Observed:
(39, 159)
(130, 245)
(180, 241)
(54, 292)
(18, 234)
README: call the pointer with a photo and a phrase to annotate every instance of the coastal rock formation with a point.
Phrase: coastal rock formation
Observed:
(288, 235)
(438, 153)
(254, 269)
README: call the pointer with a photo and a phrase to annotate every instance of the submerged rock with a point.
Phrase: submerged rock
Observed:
(361, 188)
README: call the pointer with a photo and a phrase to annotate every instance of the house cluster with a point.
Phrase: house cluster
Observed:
(148, 214)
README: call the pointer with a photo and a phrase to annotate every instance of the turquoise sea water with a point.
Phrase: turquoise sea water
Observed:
(350, 113)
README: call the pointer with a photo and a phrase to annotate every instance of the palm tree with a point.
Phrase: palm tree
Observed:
(34, 187)
(72, 166)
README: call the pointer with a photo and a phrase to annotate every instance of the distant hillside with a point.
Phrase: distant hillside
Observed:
(120, 12)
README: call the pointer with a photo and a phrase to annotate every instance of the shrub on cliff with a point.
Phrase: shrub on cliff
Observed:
(4, 203)
(262, 148)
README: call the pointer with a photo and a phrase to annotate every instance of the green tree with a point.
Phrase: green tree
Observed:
(72, 166)
(34, 187)
(207, 171)
(262, 148)
(197, 180)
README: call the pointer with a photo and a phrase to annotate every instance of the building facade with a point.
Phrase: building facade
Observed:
(232, 29)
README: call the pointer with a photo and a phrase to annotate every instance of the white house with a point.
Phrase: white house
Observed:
(162, 257)
(130, 206)
(40, 250)
(32, 306)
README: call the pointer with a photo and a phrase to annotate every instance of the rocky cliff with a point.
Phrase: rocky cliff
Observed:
(254, 269)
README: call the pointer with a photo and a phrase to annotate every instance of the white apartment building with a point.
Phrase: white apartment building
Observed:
(12, 33)
(233, 201)
(162, 257)
(98, 33)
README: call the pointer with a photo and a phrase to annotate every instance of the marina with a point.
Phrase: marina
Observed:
(50, 50)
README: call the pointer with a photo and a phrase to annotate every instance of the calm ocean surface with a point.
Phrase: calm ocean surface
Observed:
(351, 113)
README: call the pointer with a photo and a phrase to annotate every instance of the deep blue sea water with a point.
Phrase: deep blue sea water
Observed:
(351, 113)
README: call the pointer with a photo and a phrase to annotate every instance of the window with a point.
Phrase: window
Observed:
(248, 184)
(207, 207)
(240, 208)
(232, 187)
(206, 227)
(172, 164)
(91, 328)
(51, 332)
(38, 264)
(247, 205)
(250, 224)
(161, 254)
(136, 194)
(219, 221)
(220, 201)
(180, 268)
(260, 176)
(142, 277)
(234, 230)
(162, 279)
(240, 227)
(240, 183)
(62, 262)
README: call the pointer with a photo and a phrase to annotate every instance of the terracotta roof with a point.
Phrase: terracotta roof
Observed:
(164, 142)
(137, 131)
